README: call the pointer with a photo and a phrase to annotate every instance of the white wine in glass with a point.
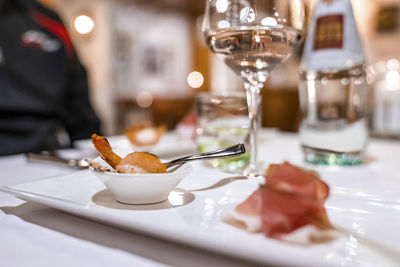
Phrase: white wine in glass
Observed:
(253, 52)
(252, 37)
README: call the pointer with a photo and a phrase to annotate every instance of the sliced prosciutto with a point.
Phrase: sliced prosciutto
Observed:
(289, 178)
(282, 212)
(290, 199)
(247, 215)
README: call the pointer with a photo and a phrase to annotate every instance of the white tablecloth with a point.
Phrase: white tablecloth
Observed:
(35, 235)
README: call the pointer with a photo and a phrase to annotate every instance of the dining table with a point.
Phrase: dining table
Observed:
(54, 215)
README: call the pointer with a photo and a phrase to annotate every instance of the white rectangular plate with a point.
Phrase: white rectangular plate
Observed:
(192, 215)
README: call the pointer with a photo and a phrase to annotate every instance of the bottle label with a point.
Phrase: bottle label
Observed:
(333, 42)
(329, 32)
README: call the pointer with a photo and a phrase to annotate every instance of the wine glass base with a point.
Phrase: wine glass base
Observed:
(255, 170)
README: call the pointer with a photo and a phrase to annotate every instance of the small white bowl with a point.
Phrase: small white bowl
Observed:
(141, 188)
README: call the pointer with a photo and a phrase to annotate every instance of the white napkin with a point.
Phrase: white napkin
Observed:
(23, 243)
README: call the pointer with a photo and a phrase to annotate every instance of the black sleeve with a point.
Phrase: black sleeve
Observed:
(79, 119)
(83, 121)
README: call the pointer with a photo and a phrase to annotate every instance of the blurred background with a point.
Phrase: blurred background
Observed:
(146, 60)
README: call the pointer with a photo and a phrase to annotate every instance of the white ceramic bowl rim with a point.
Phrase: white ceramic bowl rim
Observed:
(185, 168)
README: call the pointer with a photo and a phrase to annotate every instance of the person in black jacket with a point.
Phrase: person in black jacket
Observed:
(44, 102)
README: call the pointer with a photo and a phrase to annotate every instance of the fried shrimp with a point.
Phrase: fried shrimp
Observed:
(103, 147)
(141, 162)
(135, 162)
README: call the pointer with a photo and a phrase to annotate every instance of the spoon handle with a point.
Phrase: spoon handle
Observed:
(52, 157)
(220, 153)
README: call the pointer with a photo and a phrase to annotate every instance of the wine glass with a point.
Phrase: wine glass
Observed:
(252, 37)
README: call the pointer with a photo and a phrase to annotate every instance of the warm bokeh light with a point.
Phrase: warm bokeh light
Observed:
(144, 99)
(83, 24)
(269, 21)
(195, 79)
(392, 79)
(393, 64)
(221, 5)
(223, 24)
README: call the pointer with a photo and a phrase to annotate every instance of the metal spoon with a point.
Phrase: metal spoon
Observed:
(220, 153)
(52, 157)
(84, 163)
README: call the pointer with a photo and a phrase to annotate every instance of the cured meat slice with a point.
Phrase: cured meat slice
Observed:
(252, 205)
(283, 211)
(289, 178)
(290, 199)
(248, 214)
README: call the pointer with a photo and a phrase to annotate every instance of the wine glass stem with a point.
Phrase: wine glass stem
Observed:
(253, 102)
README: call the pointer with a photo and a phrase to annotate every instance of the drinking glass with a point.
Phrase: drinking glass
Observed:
(222, 121)
(252, 37)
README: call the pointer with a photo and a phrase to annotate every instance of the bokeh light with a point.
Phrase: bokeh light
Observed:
(269, 21)
(195, 79)
(83, 24)
(144, 99)
(221, 5)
